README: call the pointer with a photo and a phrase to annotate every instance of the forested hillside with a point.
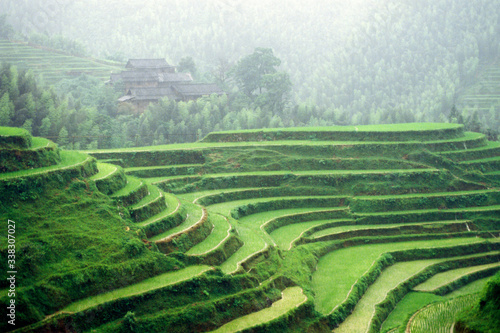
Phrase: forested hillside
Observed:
(361, 62)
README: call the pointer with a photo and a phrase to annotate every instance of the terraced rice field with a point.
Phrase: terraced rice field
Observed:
(53, 66)
(334, 225)
(439, 317)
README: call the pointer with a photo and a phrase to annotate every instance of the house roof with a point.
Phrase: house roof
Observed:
(148, 63)
(174, 77)
(199, 89)
(138, 76)
(150, 93)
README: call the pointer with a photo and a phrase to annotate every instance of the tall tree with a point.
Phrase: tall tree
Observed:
(250, 70)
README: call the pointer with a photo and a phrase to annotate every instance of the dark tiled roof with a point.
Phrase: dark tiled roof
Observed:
(138, 76)
(147, 63)
(152, 93)
(174, 77)
(200, 89)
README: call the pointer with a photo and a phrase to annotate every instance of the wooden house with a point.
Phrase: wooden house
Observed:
(148, 80)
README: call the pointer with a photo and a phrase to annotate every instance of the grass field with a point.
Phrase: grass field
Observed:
(69, 159)
(219, 233)
(291, 298)
(439, 317)
(253, 243)
(53, 66)
(444, 278)
(339, 270)
(194, 215)
(391, 277)
(153, 283)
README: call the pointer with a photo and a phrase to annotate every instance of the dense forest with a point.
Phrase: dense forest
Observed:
(362, 62)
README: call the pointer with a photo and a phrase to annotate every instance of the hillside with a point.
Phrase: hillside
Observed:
(290, 230)
(361, 62)
(52, 66)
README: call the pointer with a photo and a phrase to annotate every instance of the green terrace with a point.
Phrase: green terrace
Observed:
(53, 65)
(351, 229)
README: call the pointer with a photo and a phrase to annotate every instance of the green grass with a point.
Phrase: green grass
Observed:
(153, 283)
(13, 131)
(424, 195)
(347, 228)
(69, 159)
(286, 235)
(291, 298)
(133, 184)
(337, 271)
(219, 233)
(439, 317)
(53, 66)
(173, 205)
(410, 304)
(404, 127)
(444, 278)
(194, 215)
(390, 278)
(253, 243)
(471, 288)
(468, 136)
(154, 194)
(105, 170)
(37, 142)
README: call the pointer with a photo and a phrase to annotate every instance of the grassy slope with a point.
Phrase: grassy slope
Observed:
(87, 230)
(338, 270)
(53, 65)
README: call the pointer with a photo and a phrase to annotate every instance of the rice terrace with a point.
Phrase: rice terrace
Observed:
(380, 228)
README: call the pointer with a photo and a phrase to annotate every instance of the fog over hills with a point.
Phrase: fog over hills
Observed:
(358, 59)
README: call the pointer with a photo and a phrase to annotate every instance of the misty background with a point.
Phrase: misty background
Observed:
(349, 62)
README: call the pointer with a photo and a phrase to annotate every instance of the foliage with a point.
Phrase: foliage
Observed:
(356, 63)
(484, 317)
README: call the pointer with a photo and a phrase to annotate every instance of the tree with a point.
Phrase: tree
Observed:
(276, 92)
(250, 71)
(187, 64)
(6, 110)
(6, 30)
(63, 137)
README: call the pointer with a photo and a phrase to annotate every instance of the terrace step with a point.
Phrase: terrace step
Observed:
(41, 153)
(338, 271)
(150, 205)
(167, 219)
(395, 132)
(424, 215)
(446, 200)
(343, 180)
(109, 179)
(145, 286)
(440, 315)
(392, 230)
(490, 164)
(436, 283)
(164, 171)
(73, 165)
(213, 197)
(151, 156)
(292, 298)
(219, 245)
(287, 236)
(253, 245)
(14, 138)
(491, 149)
(395, 281)
(185, 236)
(133, 192)
(494, 176)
